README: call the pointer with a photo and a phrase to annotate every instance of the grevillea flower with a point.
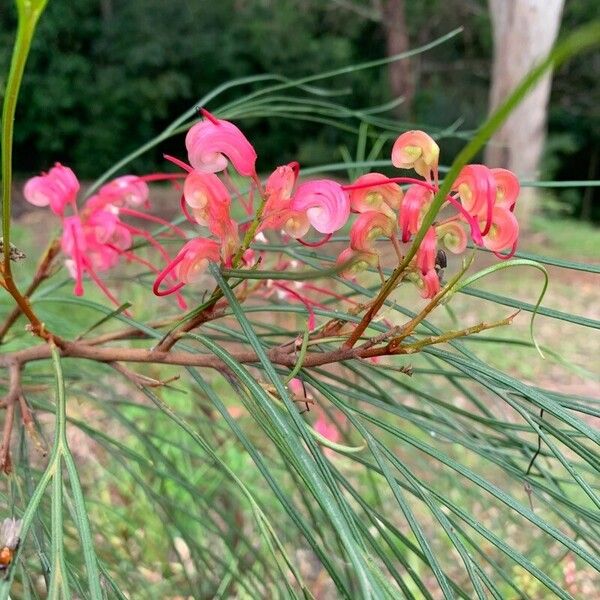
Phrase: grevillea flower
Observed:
(207, 196)
(212, 142)
(279, 187)
(430, 284)
(278, 213)
(453, 236)
(416, 150)
(128, 190)
(329, 431)
(425, 257)
(414, 205)
(325, 203)
(504, 230)
(209, 201)
(356, 261)
(189, 264)
(368, 227)
(507, 188)
(58, 188)
(476, 188)
(382, 197)
(94, 243)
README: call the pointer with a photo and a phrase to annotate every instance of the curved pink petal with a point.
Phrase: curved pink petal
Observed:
(507, 187)
(414, 205)
(356, 261)
(377, 194)
(205, 192)
(504, 231)
(325, 203)
(368, 227)
(279, 187)
(430, 284)
(476, 187)
(416, 150)
(57, 189)
(127, 190)
(453, 236)
(212, 142)
(425, 257)
(293, 222)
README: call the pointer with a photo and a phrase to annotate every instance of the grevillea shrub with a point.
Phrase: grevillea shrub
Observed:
(234, 409)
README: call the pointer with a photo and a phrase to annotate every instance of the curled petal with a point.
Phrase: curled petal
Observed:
(425, 257)
(189, 264)
(127, 190)
(504, 231)
(368, 227)
(381, 196)
(356, 261)
(476, 187)
(414, 206)
(325, 203)
(205, 194)
(453, 236)
(507, 187)
(279, 187)
(416, 150)
(293, 222)
(430, 283)
(212, 142)
(57, 189)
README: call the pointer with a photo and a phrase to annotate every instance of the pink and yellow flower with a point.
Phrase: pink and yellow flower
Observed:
(212, 143)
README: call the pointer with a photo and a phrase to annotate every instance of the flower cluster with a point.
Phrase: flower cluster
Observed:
(480, 205)
(94, 236)
(483, 200)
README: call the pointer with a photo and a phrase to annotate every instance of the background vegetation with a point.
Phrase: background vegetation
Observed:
(105, 75)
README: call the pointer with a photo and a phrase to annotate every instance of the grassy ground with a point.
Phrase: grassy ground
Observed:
(133, 507)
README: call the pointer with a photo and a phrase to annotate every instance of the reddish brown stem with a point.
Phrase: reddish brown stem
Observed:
(41, 274)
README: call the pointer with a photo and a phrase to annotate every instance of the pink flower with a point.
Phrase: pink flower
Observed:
(189, 264)
(416, 150)
(207, 197)
(425, 258)
(58, 188)
(128, 190)
(293, 222)
(329, 431)
(477, 190)
(504, 231)
(382, 197)
(279, 187)
(356, 261)
(430, 284)
(278, 213)
(73, 244)
(368, 227)
(507, 187)
(212, 142)
(325, 203)
(415, 204)
(453, 236)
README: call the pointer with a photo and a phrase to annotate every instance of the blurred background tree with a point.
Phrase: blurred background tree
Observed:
(106, 75)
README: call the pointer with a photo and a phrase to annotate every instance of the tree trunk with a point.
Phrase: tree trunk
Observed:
(524, 31)
(396, 36)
